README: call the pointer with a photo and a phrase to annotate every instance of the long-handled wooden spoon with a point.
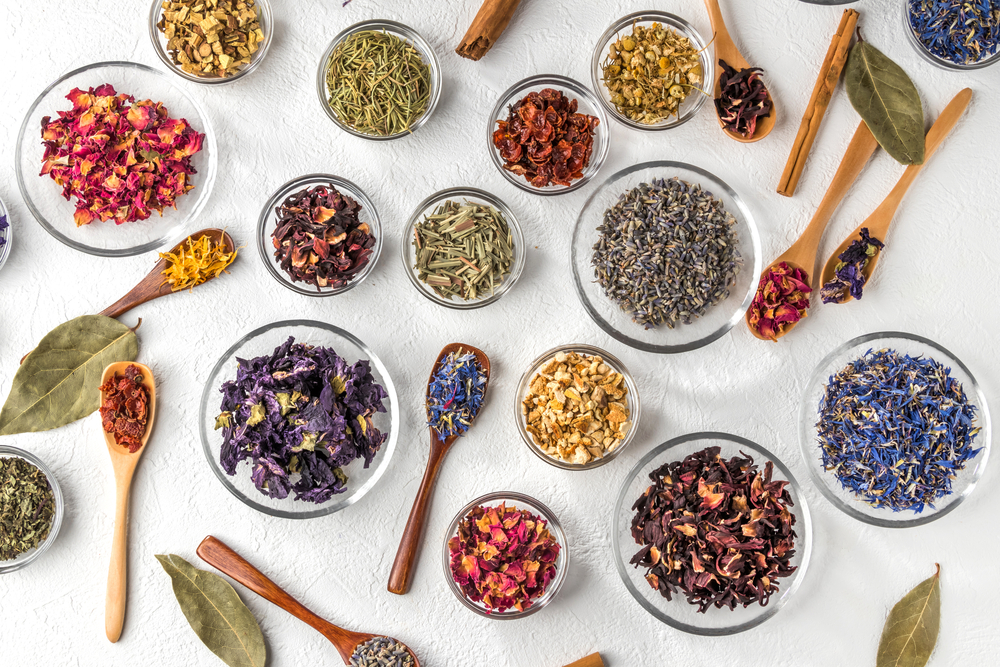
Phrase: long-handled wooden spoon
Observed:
(878, 222)
(224, 559)
(124, 464)
(802, 254)
(726, 50)
(402, 568)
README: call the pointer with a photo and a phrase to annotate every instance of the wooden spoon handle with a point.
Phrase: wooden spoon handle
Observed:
(592, 660)
(114, 604)
(149, 288)
(406, 555)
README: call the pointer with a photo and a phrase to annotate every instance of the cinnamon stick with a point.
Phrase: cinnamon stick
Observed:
(829, 75)
(592, 660)
(486, 28)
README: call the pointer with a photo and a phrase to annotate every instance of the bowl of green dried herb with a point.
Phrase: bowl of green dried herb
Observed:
(355, 87)
(463, 248)
(31, 508)
(894, 429)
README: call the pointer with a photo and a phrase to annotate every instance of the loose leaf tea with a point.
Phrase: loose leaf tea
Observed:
(896, 429)
(455, 394)
(650, 72)
(216, 613)
(124, 410)
(3, 228)
(885, 97)
(381, 652)
(911, 630)
(27, 507)
(213, 38)
(545, 140)
(958, 31)
(58, 382)
(300, 414)
(849, 276)
(780, 300)
(667, 252)
(742, 99)
(463, 250)
(503, 557)
(378, 83)
(318, 238)
(120, 158)
(719, 531)
(196, 262)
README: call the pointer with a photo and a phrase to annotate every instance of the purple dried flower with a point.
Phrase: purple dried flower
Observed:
(849, 273)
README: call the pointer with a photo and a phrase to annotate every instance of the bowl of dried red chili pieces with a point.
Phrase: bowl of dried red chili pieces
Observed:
(548, 134)
(711, 533)
(319, 235)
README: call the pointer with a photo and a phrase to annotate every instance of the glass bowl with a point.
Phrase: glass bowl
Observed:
(691, 104)
(106, 239)
(904, 343)
(718, 319)
(263, 341)
(426, 207)
(933, 59)
(522, 502)
(5, 234)
(408, 34)
(587, 103)
(264, 17)
(678, 612)
(26, 558)
(266, 223)
(634, 406)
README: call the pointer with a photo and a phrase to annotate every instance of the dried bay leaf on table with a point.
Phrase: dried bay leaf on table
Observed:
(58, 382)
(911, 630)
(216, 613)
(885, 97)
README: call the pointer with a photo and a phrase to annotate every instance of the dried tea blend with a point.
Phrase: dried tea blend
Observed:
(780, 300)
(742, 99)
(124, 408)
(27, 507)
(214, 38)
(455, 394)
(849, 276)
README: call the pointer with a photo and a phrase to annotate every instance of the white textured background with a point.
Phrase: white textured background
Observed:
(937, 278)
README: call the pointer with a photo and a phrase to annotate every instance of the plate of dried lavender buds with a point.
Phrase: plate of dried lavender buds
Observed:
(665, 257)
(711, 534)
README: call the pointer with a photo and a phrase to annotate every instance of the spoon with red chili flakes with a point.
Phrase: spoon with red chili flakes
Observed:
(128, 404)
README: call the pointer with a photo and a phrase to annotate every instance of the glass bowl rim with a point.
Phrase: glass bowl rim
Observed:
(400, 30)
(469, 193)
(936, 60)
(307, 180)
(687, 30)
(803, 521)
(6, 234)
(555, 528)
(386, 451)
(267, 25)
(597, 157)
(57, 518)
(754, 245)
(635, 405)
(207, 185)
(819, 377)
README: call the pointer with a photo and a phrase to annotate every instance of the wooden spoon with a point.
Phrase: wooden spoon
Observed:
(878, 222)
(726, 50)
(592, 660)
(224, 559)
(402, 568)
(152, 286)
(124, 465)
(802, 254)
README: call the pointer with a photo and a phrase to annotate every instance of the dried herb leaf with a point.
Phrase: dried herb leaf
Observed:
(912, 627)
(885, 97)
(216, 613)
(58, 382)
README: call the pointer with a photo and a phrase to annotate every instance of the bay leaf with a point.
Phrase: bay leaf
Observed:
(911, 630)
(885, 97)
(58, 382)
(216, 613)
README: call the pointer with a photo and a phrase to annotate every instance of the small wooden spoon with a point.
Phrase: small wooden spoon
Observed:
(802, 254)
(124, 465)
(726, 50)
(402, 568)
(224, 559)
(152, 286)
(878, 222)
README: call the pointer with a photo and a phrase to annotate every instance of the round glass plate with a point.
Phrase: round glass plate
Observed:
(718, 319)
(6, 234)
(904, 343)
(26, 558)
(44, 198)
(263, 341)
(678, 612)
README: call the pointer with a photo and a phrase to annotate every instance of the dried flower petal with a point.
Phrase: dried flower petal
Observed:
(849, 275)
(742, 99)
(123, 408)
(780, 300)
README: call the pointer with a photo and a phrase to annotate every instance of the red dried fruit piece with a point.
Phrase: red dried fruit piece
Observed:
(124, 407)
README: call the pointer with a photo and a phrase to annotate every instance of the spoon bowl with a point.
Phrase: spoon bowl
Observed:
(406, 555)
(124, 463)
